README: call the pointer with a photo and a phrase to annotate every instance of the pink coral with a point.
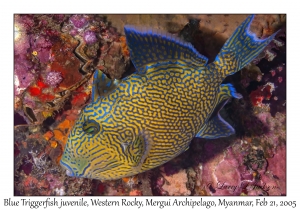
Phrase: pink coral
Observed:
(90, 37)
(176, 184)
(53, 78)
(25, 21)
(247, 169)
(54, 181)
(79, 21)
(221, 174)
(59, 17)
(135, 193)
(23, 77)
(21, 44)
(74, 32)
(42, 46)
(277, 166)
(228, 175)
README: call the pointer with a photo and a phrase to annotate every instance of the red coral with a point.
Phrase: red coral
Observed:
(37, 91)
(65, 62)
(101, 188)
(273, 72)
(41, 84)
(29, 182)
(135, 193)
(46, 97)
(124, 46)
(51, 32)
(79, 99)
(264, 92)
(34, 91)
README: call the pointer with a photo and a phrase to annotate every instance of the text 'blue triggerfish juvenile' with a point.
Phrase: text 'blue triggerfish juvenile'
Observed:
(150, 117)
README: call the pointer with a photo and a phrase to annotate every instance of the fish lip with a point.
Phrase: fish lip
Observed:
(69, 171)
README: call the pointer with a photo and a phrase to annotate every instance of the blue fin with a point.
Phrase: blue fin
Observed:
(217, 127)
(102, 85)
(94, 88)
(227, 91)
(148, 47)
(240, 49)
(135, 151)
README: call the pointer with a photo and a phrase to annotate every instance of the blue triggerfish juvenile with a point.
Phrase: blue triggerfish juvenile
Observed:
(150, 117)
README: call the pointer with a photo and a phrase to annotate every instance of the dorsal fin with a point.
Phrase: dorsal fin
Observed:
(148, 47)
(102, 85)
(217, 127)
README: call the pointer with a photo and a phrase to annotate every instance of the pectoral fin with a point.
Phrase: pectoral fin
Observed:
(135, 151)
(102, 85)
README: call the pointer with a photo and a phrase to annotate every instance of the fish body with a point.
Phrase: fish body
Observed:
(150, 117)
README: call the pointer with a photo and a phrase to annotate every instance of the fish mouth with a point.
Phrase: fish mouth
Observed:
(69, 171)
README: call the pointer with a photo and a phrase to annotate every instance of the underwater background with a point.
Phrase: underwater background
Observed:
(52, 56)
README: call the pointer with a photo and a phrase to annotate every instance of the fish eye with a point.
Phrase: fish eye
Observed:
(91, 127)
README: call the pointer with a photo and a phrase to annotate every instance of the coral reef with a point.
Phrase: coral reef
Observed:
(262, 93)
(225, 24)
(52, 61)
(176, 184)
(54, 58)
(37, 171)
(53, 78)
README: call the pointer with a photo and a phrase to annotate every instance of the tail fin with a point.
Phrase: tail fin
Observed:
(240, 49)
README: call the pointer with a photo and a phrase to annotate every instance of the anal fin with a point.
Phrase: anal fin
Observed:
(227, 91)
(217, 127)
